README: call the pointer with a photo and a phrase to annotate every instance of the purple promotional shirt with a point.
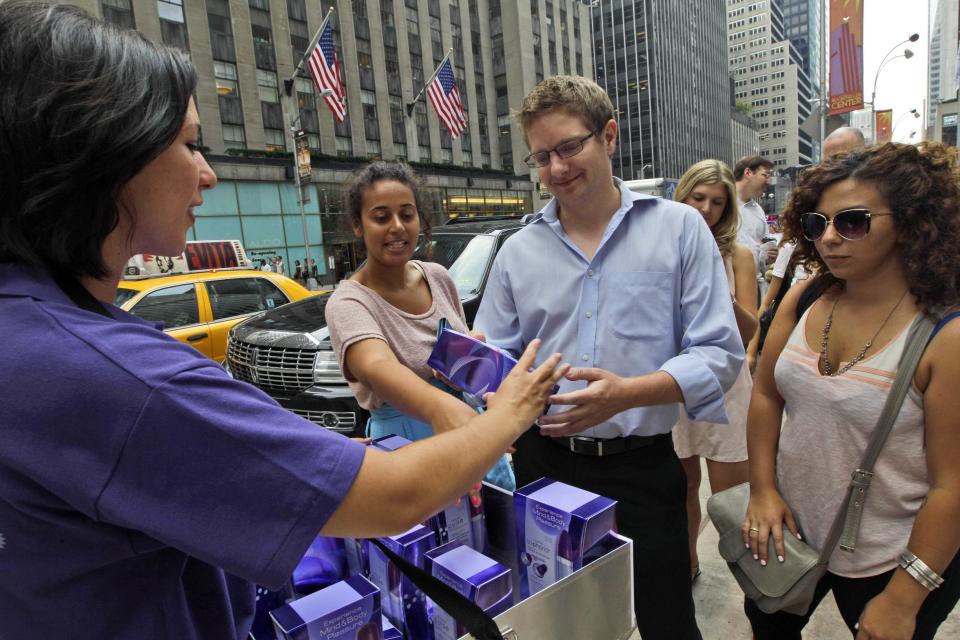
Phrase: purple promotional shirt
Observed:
(142, 490)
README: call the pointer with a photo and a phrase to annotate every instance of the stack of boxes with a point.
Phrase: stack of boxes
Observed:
(558, 528)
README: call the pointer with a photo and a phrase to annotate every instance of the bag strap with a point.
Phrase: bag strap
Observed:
(846, 524)
(478, 623)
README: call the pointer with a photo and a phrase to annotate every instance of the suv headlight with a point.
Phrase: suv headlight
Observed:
(326, 369)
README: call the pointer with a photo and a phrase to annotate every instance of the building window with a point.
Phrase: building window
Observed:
(173, 28)
(225, 74)
(118, 12)
(344, 147)
(267, 85)
(233, 137)
(274, 140)
(371, 127)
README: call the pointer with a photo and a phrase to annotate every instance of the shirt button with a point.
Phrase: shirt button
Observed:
(589, 314)
(590, 273)
(585, 357)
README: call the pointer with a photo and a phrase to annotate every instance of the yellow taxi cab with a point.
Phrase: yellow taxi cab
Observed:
(200, 307)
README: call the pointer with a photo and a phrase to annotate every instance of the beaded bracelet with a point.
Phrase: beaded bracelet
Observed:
(919, 571)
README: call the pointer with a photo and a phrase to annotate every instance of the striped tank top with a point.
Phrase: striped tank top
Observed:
(827, 424)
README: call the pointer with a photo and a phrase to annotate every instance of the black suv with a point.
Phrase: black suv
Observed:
(286, 352)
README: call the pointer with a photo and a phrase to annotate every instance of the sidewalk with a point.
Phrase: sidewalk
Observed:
(720, 602)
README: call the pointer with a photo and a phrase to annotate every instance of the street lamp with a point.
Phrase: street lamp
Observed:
(912, 112)
(643, 170)
(907, 54)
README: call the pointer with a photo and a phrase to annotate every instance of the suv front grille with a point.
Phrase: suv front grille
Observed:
(271, 368)
(340, 421)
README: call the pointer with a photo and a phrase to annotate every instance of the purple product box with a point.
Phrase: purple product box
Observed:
(456, 522)
(471, 365)
(355, 549)
(324, 563)
(346, 610)
(556, 524)
(483, 581)
(390, 632)
(403, 603)
(389, 443)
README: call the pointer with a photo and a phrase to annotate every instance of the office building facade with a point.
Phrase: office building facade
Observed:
(388, 50)
(942, 71)
(664, 66)
(768, 76)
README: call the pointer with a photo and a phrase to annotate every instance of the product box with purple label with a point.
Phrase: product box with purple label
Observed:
(483, 581)
(460, 522)
(403, 602)
(347, 610)
(470, 365)
(556, 524)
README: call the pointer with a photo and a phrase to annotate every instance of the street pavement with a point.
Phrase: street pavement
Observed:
(719, 599)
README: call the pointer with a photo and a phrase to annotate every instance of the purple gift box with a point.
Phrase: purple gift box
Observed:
(556, 525)
(483, 581)
(470, 365)
(460, 522)
(324, 563)
(403, 603)
(346, 610)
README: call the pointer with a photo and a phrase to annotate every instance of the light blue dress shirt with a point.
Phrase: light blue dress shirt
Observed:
(654, 297)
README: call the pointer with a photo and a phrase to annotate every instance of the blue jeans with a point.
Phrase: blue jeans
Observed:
(387, 420)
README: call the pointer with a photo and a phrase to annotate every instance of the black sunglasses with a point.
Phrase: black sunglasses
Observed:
(851, 224)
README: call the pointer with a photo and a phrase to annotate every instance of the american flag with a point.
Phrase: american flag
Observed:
(325, 69)
(446, 100)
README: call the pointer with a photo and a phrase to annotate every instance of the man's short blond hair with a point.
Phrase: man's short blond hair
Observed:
(575, 95)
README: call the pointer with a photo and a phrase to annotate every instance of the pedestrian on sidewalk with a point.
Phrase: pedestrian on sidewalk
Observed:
(881, 228)
(633, 287)
(709, 188)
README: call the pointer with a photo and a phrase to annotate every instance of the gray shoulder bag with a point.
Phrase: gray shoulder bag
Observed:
(789, 586)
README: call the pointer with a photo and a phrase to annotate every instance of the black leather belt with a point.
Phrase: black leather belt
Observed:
(606, 446)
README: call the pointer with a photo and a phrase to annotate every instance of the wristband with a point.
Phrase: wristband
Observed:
(919, 570)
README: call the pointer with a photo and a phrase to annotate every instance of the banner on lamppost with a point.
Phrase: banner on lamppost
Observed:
(884, 125)
(846, 56)
(304, 170)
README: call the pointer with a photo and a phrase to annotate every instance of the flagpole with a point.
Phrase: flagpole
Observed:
(288, 85)
(426, 84)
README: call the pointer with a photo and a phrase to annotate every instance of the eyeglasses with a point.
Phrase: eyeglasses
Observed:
(567, 149)
(851, 224)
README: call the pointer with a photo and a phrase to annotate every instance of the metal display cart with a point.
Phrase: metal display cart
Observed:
(593, 603)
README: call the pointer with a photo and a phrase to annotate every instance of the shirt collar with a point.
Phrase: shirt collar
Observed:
(627, 197)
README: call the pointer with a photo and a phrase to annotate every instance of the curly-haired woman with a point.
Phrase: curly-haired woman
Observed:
(882, 227)
(708, 187)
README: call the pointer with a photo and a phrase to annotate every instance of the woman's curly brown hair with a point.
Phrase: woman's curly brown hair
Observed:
(920, 183)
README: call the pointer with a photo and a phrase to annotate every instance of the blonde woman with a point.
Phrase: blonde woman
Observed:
(708, 187)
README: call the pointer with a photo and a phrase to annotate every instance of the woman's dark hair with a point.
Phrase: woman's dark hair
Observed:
(919, 184)
(84, 106)
(376, 172)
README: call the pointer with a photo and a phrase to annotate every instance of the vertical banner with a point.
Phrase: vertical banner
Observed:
(304, 170)
(846, 56)
(884, 125)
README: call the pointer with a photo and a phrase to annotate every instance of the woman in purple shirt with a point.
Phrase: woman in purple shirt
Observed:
(143, 491)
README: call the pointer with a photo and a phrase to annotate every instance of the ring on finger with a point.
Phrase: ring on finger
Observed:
(752, 529)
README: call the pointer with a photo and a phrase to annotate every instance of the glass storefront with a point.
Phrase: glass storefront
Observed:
(265, 217)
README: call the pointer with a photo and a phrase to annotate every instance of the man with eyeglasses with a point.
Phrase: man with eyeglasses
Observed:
(752, 175)
(630, 289)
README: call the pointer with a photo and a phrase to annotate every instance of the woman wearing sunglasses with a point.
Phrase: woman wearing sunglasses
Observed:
(882, 227)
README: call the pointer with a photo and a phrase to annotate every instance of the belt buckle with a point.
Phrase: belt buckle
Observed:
(587, 440)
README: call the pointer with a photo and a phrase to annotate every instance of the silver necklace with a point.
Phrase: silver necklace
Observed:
(825, 341)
